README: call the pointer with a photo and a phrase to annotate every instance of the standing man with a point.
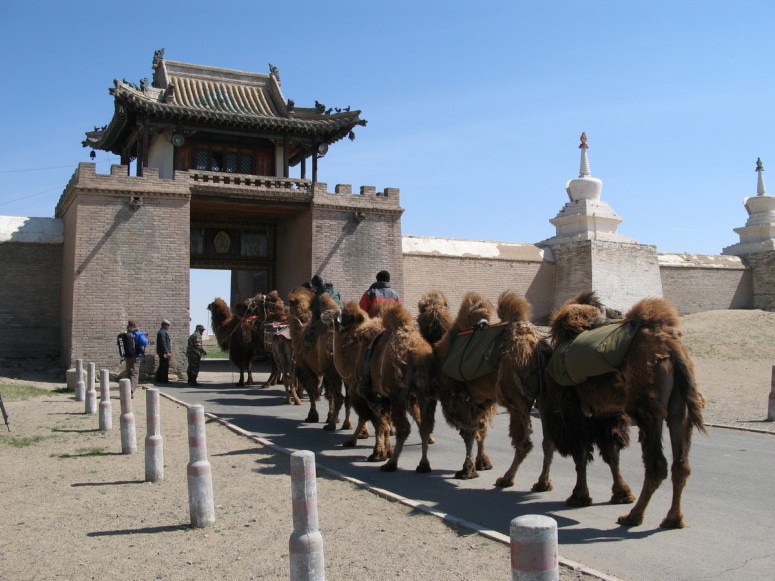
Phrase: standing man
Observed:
(164, 351)
(194, 353)
(134, 363)
(378, 294)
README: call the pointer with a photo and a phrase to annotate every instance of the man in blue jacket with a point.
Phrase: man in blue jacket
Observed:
(134, 363)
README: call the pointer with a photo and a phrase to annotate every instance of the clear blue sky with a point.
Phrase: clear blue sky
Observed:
(475, 108)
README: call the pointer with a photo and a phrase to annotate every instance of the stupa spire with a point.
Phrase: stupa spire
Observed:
(761, 190)
(584, 169)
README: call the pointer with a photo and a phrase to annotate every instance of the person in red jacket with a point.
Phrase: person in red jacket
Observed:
(378, 294)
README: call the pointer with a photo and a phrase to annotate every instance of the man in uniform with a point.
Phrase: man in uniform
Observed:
(194, 353)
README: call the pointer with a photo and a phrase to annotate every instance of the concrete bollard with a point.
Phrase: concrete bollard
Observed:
(91, 390)
(72, 378)
(306, 542)
(534, 555)
(80, 383)
(771, 407)
(106, 417)
(154, 449)
(199, 471)
(128, 432)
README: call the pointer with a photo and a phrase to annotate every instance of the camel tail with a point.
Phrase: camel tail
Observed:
(687, 383)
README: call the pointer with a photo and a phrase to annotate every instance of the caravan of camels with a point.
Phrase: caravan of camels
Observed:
(593, 374)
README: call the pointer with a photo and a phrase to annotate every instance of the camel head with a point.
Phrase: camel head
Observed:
(300, 304)
(571, 320)
(220, 313)
(474, 308)
(275, 307)
(350, 317)
(513, 308)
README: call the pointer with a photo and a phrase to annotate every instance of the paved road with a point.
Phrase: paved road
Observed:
(729, 500)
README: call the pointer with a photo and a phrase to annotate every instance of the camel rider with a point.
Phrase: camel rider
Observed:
(379, 294)
(319, 287)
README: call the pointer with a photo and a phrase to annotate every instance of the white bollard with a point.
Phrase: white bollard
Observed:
(106, 417)
(80, 383)
(534, 555)
(199, 471)
(91, 391)
(72, 377)
(771, 407)
(128, 432)
(306, 542)
(154, 450)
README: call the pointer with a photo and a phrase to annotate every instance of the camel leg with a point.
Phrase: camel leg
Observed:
(426, 424)
(482, 459)
(620, 490)
(680, 439)
(580, 495)
(544, 482)
(383, 449)
(655, 471)
(469, 469)
(347, 423)
(403, 429)
(519, 431)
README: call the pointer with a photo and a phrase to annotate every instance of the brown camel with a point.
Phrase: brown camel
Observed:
(654, 383)
(314, 365)
(275, 339)
(393, 368)
(228, 334)
(469, 405)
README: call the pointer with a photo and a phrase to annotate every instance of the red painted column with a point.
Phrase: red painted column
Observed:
(306, 542)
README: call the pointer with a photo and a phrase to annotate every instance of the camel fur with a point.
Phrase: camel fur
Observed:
(315, 367)
(470, 406)
(228, 334)
(656, 383)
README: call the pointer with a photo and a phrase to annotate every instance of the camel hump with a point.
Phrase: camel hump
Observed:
(474, 308)
(654, 312)
(434, 318)
(395, 316)
(571, 320)
(513, 308)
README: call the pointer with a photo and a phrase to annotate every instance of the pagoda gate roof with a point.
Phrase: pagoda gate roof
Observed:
(195, 98)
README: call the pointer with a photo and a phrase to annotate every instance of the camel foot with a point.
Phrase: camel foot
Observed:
(578, 501)
(423, 467)
(330, 427)
(542, 486)
(377, 457)
(673, 522)
(483, 463)
(629, 520)
(504, 482)
(389, 467)
(312, 418)
(348, 425)
(364, 434)
(622, 497)
(431, 440)
(466, 474)
(350, 442)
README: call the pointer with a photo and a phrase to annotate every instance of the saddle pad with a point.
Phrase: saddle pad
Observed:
(474, 354)
(592, 353)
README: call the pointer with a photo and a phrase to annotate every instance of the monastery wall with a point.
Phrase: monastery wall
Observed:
(125, 256)
(762, 279)
(699, 282)
(354, 236)
(31, 259)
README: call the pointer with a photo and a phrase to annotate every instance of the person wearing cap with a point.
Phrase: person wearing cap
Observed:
(379, 294)
(194, 353)
(134, 363)
(164, 351)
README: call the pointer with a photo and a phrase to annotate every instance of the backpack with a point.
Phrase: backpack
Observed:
(126, 344)
(333, 293)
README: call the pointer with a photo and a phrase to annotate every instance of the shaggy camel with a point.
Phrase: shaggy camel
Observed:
(230, 338)
(276, 340)
(566, 429)
(470, 405)
(314, 366)
(655, 383)
(392, 369)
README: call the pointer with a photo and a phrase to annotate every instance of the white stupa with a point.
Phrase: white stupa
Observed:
(586, 216)
(758, 234)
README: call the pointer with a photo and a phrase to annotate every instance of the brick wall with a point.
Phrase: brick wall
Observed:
(30, 286)
(126, 255)
(762, 279)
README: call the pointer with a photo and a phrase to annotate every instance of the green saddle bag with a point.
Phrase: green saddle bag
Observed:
(474, 354)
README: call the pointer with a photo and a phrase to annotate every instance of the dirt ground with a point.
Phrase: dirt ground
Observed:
(72, 506)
